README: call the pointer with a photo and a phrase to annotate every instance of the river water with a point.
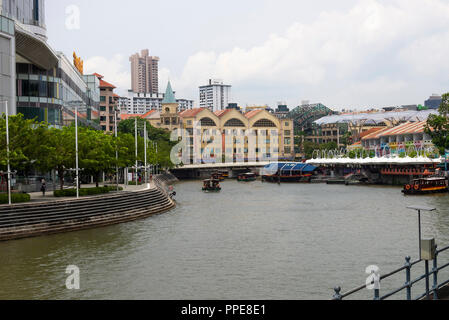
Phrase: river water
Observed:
(251, 241)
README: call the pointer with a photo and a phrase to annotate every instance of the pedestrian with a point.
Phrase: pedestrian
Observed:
(43, 187)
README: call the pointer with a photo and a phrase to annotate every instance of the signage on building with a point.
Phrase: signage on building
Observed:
(78, 63)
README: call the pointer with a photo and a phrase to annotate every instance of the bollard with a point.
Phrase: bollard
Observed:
(337, 295)
(408, 277)
(435, 275)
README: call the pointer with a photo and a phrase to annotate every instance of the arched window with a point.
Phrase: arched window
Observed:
(207, 122)
(234, 123)
(264, 123)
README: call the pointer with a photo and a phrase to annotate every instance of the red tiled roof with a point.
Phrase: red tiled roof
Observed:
(191, 112)
(99, 76)
(104, 84)
(252, 113)
(372, 130)
(221, 113)
(376, 134)
(148, 114)
(115, 95)
(406, 128)
(125, 116)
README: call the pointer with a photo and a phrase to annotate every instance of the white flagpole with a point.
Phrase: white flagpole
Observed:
(7, 153)
(145, 142)
(135, 131)
(76, 142)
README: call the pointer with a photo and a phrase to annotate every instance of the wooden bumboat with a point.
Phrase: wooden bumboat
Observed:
(427, 186)
(217, 176)
(211, 185)
(247, 177)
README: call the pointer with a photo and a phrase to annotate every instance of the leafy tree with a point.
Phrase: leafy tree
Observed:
(438, 126)
(57, 151)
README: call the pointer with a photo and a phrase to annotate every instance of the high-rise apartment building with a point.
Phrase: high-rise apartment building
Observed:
(144, 73)
(215, 96)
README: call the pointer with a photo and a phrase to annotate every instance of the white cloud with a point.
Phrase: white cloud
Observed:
(115, 70)
(372, 54)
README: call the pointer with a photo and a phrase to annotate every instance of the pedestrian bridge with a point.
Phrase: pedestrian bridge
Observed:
(226, 165)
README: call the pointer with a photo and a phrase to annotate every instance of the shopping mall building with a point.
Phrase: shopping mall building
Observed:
(36, 80)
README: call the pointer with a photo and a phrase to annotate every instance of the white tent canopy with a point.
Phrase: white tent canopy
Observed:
(376, 118)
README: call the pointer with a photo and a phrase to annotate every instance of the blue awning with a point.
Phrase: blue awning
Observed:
(287, 167)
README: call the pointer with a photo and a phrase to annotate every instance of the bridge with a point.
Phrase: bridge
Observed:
(204, 170)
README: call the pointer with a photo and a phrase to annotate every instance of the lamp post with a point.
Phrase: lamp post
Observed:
(76, 148)
(135, 136)
(7, 152)
(145, 143)
(419, 209)
(116, 148)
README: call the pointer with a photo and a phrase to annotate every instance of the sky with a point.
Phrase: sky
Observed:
(346, 54)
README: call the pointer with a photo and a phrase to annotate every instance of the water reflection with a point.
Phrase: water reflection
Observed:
(251, 241)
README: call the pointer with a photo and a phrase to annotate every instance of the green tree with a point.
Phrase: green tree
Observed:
(57, 151)
(438, 126)
(25, 137)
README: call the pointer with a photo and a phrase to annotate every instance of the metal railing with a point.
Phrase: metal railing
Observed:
(408, 285)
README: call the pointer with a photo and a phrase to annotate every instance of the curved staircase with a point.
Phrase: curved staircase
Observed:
(34, 219)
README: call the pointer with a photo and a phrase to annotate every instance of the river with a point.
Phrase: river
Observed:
(251, 241)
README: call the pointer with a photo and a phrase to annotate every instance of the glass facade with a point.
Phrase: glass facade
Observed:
(51, 95)
(30, 12)
(7, 58)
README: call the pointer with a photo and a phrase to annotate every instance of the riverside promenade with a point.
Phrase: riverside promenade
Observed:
(47, 215)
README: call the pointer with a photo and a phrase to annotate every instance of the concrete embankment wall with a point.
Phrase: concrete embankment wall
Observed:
(35, 219)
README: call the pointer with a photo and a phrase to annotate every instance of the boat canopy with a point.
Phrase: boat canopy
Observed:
(287, 167)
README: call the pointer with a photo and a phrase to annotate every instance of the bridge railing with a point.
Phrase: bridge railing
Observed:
(409, 283)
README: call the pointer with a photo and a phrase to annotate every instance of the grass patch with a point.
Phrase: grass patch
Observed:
(85, 191)
(15, 198)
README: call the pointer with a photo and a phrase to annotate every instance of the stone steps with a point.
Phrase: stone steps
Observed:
(30, 219)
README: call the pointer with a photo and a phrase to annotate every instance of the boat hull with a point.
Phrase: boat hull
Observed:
(424, 191)
(276, 179)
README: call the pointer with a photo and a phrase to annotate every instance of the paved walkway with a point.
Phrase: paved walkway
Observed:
(38, 197)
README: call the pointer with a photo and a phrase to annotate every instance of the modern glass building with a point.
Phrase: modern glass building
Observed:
(40, 82)
(7, 60)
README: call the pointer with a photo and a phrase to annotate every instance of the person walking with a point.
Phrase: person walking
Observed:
(43, 187)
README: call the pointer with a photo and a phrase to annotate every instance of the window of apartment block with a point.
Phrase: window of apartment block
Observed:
(287, 141)
(102, 98)
(287, 150)
(287, 132)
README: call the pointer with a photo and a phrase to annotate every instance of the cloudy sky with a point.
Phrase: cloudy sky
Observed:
(345, 54)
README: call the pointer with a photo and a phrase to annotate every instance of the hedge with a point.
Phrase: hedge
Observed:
(15, 198)
(85, 191)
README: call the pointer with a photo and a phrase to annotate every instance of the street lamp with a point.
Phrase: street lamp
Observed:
(7, 151)
(76, 149)
(419, 209)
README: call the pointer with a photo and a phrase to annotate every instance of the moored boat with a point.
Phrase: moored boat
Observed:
(217, 176)
(247, 177)
(426, 186)
(288, 172)
(211, 185)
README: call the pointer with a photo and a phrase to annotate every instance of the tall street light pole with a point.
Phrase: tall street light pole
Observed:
(76, 147)
(145, 142)
(116, 149)
(135, 134)
(7, 152)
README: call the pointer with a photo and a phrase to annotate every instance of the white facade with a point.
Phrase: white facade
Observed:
(215, 96)
(141, 103)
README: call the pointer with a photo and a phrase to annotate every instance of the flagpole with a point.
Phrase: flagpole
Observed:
(7, 153)
(135, 134)
(145, 142)
(76, 148)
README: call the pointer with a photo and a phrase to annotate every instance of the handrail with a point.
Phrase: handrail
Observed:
(409, 283)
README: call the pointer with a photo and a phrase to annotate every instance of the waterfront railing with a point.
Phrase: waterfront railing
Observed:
(430, 291)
